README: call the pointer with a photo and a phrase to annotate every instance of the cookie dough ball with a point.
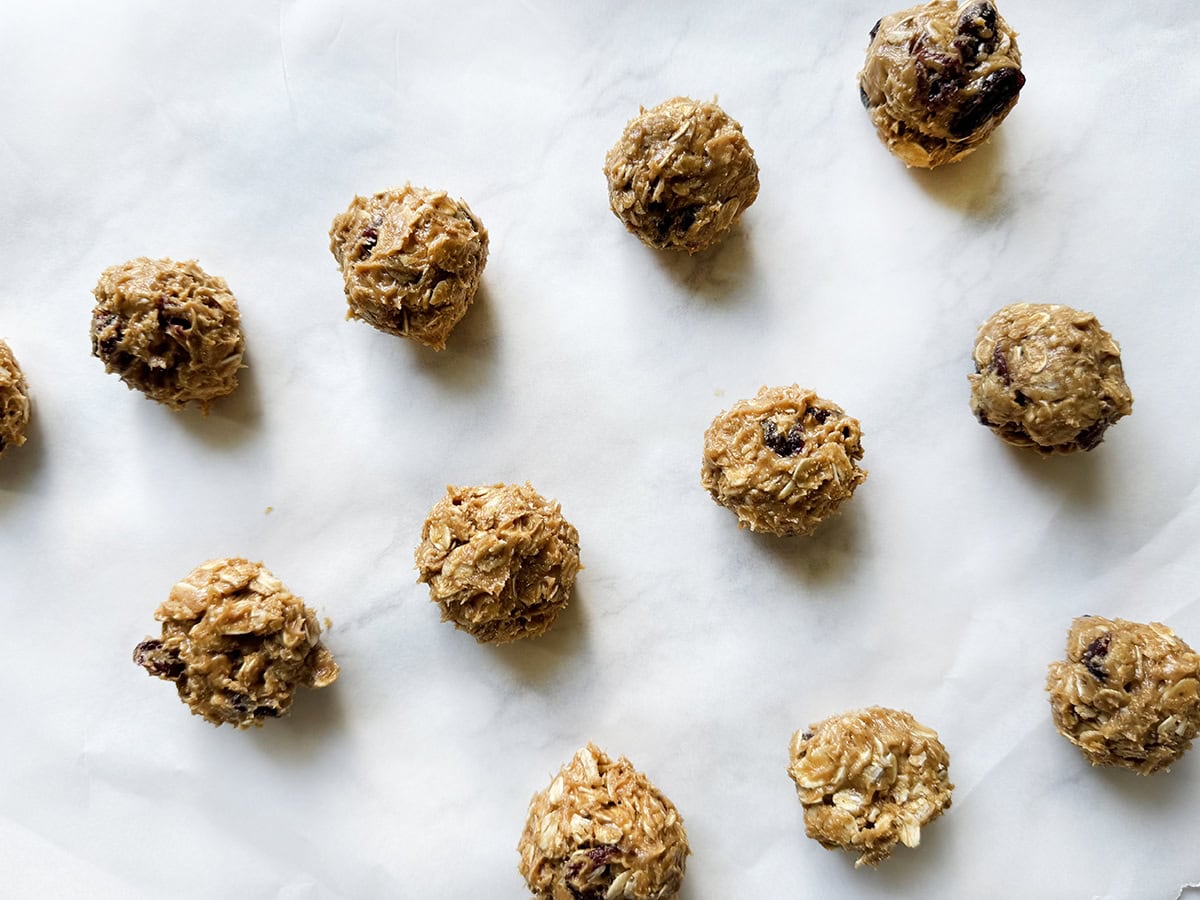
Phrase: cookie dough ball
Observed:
(411, 260)
(1048, 377)
(681, 175)
(1127, 694)
(499, 560)
(14, 400)
(939, 79)
(237, 644)
(868, 779)
(169, 329)
(602, 831)
(784, 461)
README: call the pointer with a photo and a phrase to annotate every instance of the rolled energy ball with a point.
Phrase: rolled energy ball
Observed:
(237, 644)
(1127, 694)
(411, 260)
(14, 400)
(681, 175)
(1048, 377)
(783, 461)
(499, 560)
(169, 329)
(939, 79)
(602, 831)
(868, 779)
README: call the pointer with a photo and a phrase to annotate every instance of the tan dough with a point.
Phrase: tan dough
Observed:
(411, 261)
(14, 400)
(783, 461)
(681, 175)
(1127, 694)
(500, 560)
(939, 79)
(602, 831)
(237, 644)
(1048, 377)
(868, 779)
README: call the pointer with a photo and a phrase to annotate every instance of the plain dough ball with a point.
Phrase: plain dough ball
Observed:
(1127, 694)
(237, 644)
(681, 175)
(169, 329)
(602, 831)
(783, 461)
(868, 779)
(411, 261)
(14, 400)
(938, 79)
(1048, 377)
(500, 560)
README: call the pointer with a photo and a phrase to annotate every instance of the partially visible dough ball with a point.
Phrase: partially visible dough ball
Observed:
(237, 644)
(783, 461)
(681, 175)
(1048, 377)
(14, 400)
(602, 831)
(1127, 694)
(868, 779)
(411, 261)
(939, 79)
(169, 329)
(500, 560)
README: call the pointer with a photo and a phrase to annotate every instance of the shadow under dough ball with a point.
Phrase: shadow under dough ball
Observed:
(169, 329)
(1127, 694)
(1048, 377)
(602, 830)
(237, 644)
(939, 79)
(681, 175)
(411, 261)
(14, 400)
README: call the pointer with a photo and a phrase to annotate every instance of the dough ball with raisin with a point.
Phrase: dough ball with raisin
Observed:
(237, 644)
(411, 261)
(869, 779)
(14, 400)
(1127, 694)
(783, 461)
(1048, 377)
(602, 830)
(169, 329)
(681, 175)
(939, 79)
(500, 560)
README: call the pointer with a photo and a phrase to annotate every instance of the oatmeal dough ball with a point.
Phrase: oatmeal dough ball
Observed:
(237, 644)
(868, 779)
(14, 400)
(1048, 377)
(499, 560)
(411, 260)
(1127, 694)
(169, 329)
(784, 461)
(681, 175)
(939, 78)
(602, 831)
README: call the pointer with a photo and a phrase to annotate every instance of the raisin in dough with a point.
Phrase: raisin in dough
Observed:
(681, 175)
(602, 831)
(14, 400)
(411, 261)
(939, 79)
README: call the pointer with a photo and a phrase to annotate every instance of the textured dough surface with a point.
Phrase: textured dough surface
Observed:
(939, 79)
(237, 644)
(783, 461)
(681, 175)
(169, 329)
(499, 560)
(14, 400)
(1048, 377)
(868, 779)
(411, 261)
(602, 831)
(1127, 694)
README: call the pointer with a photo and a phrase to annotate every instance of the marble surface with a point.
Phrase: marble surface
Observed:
(233, 132)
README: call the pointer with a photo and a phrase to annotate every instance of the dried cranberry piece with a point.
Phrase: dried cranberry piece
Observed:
(784, 444)
(996, 91)
(1000, 364)
(161, 663)
(1097, 649)
(976, 32)
(601, 855)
